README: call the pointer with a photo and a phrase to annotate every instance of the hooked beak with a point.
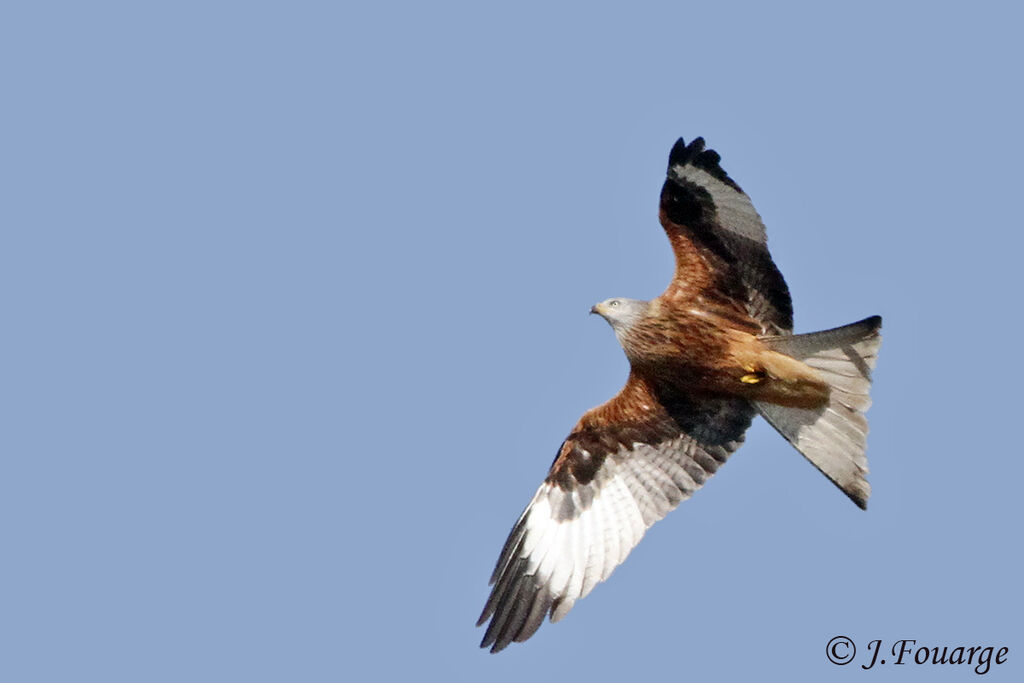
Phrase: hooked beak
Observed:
(595, 309)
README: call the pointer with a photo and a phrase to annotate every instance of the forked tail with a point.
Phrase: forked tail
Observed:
(834, 436)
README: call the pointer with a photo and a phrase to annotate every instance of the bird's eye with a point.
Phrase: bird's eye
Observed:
(613, 303)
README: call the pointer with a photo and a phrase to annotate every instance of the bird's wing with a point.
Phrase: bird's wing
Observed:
(625, 465)
(719, 240)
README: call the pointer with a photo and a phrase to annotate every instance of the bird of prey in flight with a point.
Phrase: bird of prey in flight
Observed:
(709, 354)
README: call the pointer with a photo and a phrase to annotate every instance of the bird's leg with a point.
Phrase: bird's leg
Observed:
(754, 375)
(773, 377)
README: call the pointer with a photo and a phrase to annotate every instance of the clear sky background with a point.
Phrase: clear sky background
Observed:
(295, 317)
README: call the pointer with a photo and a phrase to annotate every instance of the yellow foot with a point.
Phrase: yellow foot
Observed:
(756, 375)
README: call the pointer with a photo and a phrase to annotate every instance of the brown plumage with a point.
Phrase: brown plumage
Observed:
(706, 356)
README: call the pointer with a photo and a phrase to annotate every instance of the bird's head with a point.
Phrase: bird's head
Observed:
(621, 313)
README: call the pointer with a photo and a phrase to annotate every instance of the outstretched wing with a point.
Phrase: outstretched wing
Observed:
(719, 240)
(625, 465)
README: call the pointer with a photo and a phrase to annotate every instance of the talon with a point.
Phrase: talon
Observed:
(756, 375)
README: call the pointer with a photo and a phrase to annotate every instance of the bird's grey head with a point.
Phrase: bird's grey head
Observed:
(621, 313)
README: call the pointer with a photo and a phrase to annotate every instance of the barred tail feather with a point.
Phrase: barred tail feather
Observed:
(834, 436)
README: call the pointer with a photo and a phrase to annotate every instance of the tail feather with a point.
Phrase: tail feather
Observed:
(834, 436)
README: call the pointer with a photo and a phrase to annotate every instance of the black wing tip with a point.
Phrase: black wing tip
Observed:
(490, 642)
(507, 606)
(682, 153)
(695, 154)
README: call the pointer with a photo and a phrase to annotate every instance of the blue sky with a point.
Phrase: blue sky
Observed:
(295, 302)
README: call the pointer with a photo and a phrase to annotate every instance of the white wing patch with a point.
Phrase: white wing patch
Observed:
(570, 556)
(568, 541)
(736, 212)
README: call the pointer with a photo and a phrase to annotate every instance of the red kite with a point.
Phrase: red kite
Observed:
(714, 350)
